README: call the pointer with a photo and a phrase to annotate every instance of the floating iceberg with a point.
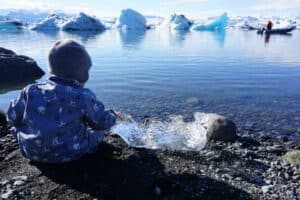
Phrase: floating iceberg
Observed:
(11, 25)
(248, 23)
(30, 15)
(83, 22)
(51, 23)
(177, 22)
(7, 23)
(217, 24)
(131, 19)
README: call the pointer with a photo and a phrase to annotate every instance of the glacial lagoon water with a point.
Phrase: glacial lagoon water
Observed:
(251, 79)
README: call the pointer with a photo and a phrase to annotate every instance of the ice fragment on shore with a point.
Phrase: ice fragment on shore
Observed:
(174, 134)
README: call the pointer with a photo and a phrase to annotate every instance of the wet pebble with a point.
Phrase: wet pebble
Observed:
(266, 188)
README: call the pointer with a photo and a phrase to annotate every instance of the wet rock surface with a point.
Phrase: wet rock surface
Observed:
(250, 168)
(2, 118)
(17, 68)
(221, 128)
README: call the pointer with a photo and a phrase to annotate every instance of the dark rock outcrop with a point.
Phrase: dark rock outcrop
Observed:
(17, 68)
(221, 128)
(2, 118)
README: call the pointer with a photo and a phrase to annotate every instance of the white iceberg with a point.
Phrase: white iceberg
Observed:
(284, 24)
(218, 24)
(177, 22)
(30, 15)
(131, 19)
(83, 22)
(51, 23)
(248, 22)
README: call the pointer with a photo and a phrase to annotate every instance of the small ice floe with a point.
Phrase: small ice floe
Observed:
(219, 23)
(83, 22)
(177, 22)
(131, 20)
(51, 23)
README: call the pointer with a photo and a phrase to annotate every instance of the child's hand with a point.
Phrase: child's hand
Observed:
(118, 115)
(122, 117)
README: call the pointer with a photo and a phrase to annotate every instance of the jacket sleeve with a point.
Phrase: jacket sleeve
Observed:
(16, 110)
(96, 116)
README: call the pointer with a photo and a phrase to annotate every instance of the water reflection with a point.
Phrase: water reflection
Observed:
(48, 33)
(11, 31)
(7, 87)
(84, 36)
(268, 37)
(178, 38)
(220, 36)
(131, 39)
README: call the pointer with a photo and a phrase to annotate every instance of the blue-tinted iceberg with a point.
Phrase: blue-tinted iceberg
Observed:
(177, 22)
(51, 23)
(217, 24)
(83, 22)
(131, 19)
(8, 24)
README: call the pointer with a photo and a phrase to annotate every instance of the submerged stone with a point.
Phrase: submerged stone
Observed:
(17, 68)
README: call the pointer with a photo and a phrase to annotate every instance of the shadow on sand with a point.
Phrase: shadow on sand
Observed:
(119, 172)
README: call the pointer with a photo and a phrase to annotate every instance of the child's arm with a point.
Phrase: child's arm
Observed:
(96, 116)
(16, 110)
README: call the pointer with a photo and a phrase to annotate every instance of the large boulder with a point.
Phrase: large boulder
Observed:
(131, 20)
(220, 128)
(17, 68)
(83, 22)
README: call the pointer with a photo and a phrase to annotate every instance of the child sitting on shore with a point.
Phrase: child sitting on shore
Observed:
(59, 120)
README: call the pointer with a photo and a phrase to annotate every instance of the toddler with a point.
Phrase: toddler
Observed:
(59, 120)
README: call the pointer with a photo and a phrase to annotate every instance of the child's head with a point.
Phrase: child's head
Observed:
(69, 59)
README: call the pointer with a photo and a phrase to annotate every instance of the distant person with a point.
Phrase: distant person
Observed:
(59, 120)
(269, 26)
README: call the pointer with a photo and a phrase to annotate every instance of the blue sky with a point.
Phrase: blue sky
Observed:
(191, 8)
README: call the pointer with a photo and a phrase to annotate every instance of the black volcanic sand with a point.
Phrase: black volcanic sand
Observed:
(117, 171)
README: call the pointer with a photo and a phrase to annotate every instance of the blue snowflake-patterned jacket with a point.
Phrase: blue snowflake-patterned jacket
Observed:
(58, 121)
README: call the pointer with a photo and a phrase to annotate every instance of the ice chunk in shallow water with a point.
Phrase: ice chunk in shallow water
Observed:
(217, 24)
(174, 134)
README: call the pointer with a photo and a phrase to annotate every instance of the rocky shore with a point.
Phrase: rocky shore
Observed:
(250, 168)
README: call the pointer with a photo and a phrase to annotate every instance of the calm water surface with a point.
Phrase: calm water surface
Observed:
(160, 73)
